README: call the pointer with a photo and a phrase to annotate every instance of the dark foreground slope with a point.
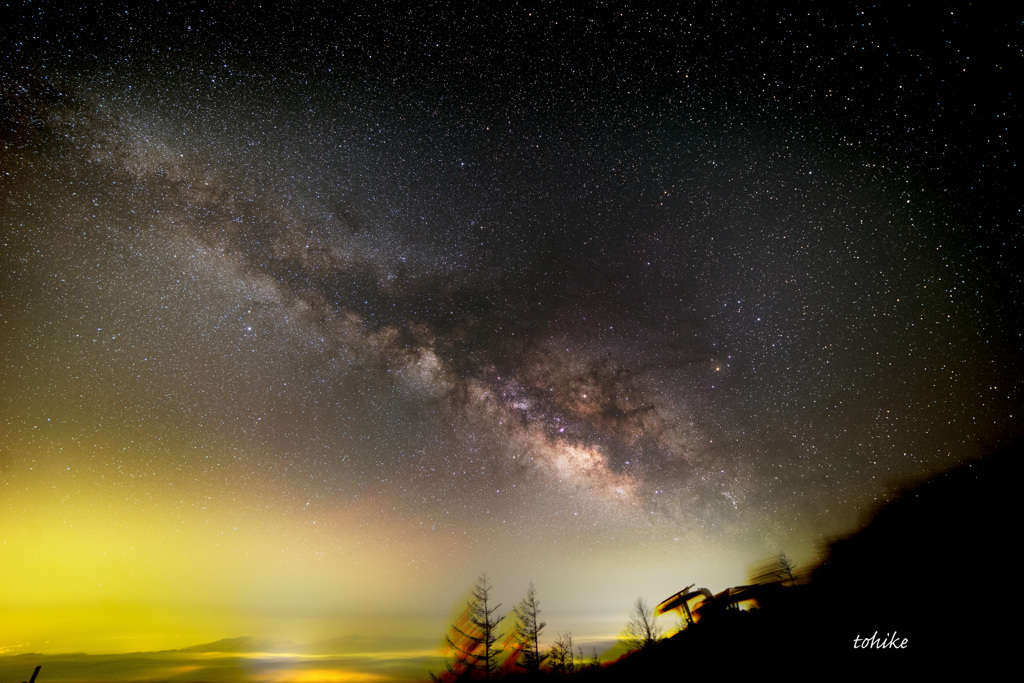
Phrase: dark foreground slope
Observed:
(930, 582)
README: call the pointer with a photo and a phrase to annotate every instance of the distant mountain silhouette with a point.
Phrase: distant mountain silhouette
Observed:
(363, 644)
(246, 644)
(357, 644)
(231, 660)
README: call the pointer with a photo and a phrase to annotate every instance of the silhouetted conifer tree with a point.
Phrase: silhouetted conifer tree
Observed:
(527, 632)
(561, 659)
(785, 571)
(472, 639)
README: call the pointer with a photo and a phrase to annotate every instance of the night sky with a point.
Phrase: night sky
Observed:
(311, 314)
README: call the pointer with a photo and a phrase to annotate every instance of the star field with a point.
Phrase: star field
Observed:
(330, 310)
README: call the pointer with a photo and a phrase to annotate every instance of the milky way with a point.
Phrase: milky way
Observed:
(336, 310)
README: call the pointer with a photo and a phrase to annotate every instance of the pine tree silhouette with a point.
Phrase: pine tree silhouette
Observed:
(472, 639)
